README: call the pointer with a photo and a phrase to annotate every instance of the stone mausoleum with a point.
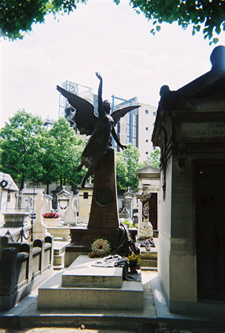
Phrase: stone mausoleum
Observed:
(190, 130)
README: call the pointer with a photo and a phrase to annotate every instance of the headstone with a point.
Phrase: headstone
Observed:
(39, 229)
(48, 207)
(84, 205)
(124, 214)
(55, 198)
(150, 177)
(28, 197)
(67, 207)
(8, 194)
(127, 205)
(145, 229)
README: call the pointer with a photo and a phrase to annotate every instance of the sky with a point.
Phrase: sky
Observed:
(98, 37)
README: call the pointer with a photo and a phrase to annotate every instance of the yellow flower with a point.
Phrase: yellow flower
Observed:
(134, 260)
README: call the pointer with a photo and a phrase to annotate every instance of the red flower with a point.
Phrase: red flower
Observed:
(51, 215)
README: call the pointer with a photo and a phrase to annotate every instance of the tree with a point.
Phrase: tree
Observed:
(29, 152)
(153, 159)
(62, 154)
(121, 172)
(207, 13)
(126, 168)
(21, 148)
(17, 17)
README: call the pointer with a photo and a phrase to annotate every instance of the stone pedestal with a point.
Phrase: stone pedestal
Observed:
(104, 209)
(145, 230)
(149, 258)
(104, 219)
(16, 219)
(39, 229)
(83, 286)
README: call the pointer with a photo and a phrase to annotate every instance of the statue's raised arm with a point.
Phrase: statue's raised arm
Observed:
(101, 111)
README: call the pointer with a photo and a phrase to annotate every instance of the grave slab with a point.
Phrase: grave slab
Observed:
(82, 273)
(52, 295)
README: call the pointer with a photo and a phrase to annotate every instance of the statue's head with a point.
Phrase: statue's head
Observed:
(107, 106)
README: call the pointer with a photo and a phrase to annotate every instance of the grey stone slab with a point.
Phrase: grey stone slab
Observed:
(82, 273)
(60, 247)
(51, 296)
(28, 315)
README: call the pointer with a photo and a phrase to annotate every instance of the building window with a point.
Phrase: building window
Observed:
(154, 113)
(146, 140)
(146, 128)
(146, 111)
(85, 195)
(146, 152)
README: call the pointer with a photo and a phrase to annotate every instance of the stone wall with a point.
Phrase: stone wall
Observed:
(23, 266)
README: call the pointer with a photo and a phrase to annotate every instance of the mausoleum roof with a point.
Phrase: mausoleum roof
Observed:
(204, 95)
(148, 172)
(209, 85)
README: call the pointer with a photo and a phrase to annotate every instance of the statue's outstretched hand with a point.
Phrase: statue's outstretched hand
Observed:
(123, 147)
(98, 76)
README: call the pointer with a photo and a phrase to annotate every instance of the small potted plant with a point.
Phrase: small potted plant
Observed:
(51, 219)
(134, 262)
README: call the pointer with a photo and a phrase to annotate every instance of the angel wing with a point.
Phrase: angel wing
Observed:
(116, 115)
(84, 116)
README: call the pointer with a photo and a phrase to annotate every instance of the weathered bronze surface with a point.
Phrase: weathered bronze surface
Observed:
(104, 209)
(100, 127)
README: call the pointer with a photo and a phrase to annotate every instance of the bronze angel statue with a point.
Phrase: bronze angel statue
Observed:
(100, 128)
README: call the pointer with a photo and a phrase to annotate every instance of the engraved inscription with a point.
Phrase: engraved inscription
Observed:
(205, 129)
(104, 197)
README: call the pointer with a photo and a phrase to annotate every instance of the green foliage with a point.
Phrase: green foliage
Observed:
(126, 168)
(29, 152)
(17, 17)
(127, 223)
(153, 159)
(121, 172)
(21, 147)
(63, 152)
(206, 14)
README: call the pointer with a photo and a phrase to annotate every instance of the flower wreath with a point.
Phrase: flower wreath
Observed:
(100, 247)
